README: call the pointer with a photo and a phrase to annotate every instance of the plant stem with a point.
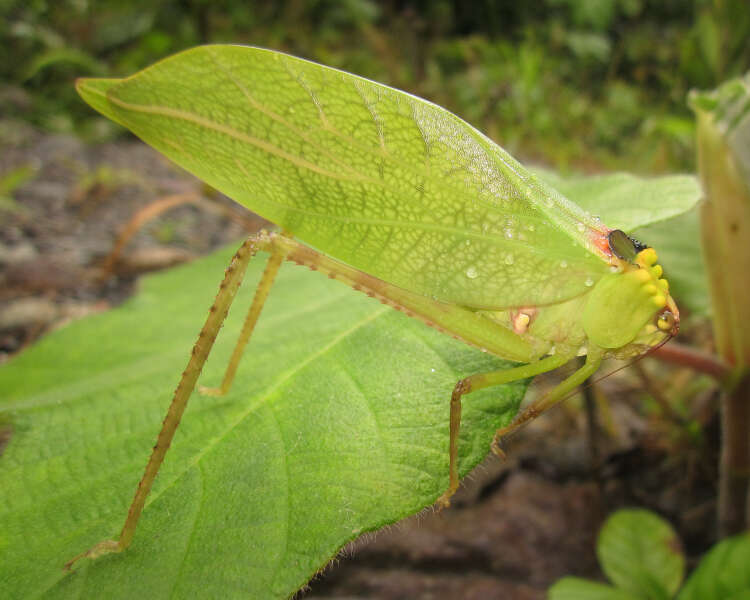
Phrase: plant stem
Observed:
(734, 500)
(686, 356)
(725, 224)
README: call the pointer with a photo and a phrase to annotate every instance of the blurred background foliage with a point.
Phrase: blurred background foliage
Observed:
(577, 84)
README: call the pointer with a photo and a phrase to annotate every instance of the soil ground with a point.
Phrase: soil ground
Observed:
(516, 526)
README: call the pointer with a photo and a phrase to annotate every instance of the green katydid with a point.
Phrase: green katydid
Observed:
(398, 198)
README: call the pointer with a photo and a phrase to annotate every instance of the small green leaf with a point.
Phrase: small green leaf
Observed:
(724, 573)
(727, 111)
(640, 553)
(575, 588)
(337, 424)
(625, 201)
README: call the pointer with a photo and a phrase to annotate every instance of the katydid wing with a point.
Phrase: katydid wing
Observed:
(414, 205)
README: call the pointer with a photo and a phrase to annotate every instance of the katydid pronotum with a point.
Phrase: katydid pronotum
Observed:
(398, 198)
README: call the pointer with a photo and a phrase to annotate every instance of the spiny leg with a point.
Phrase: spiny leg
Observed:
(478, 382)
(261, 294)
(557, 394)
(227, 290)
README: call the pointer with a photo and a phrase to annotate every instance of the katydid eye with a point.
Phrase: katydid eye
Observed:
(665, 322)
(623, 246)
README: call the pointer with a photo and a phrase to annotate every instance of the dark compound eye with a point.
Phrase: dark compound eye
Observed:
(623, 246)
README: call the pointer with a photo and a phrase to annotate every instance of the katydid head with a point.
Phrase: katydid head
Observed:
(630, 309)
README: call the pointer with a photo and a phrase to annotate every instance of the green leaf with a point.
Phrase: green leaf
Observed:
(575, 588)
(728, 107)
(337, 424)
(723, 573)
(627, 202)
(640, 553)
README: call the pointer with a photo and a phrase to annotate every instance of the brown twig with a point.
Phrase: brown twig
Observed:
(697, 360)
(156, 208)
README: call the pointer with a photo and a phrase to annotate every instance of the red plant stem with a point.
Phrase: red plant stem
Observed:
(686, 356)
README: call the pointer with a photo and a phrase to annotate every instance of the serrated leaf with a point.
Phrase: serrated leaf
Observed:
(641, 554)
(723, 573)
(575, 588)
(337, 424)
(627, 202)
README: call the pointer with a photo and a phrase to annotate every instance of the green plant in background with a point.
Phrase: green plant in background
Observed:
(638, 552)
(724, 165)
(8, 184)
(248, 483)
(642, 557)
(573, 82)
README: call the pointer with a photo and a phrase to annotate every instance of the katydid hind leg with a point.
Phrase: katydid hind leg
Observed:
(251, 319)
(233, 277)
(550, 399)
(477, 382)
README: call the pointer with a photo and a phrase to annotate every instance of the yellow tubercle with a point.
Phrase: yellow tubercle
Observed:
(659, 300)
(647, 257)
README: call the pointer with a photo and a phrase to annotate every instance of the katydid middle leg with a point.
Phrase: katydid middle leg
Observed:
(478, 382)
(548, 400)
(495, 378)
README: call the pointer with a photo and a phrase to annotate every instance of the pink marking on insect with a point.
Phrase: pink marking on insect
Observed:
(601, 241)
(522, 318)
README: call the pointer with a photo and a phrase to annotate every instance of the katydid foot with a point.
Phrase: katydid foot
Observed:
(100, 549)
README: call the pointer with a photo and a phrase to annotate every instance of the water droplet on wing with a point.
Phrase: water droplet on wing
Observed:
(509, 260)
(589, 282)
(472, 273)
